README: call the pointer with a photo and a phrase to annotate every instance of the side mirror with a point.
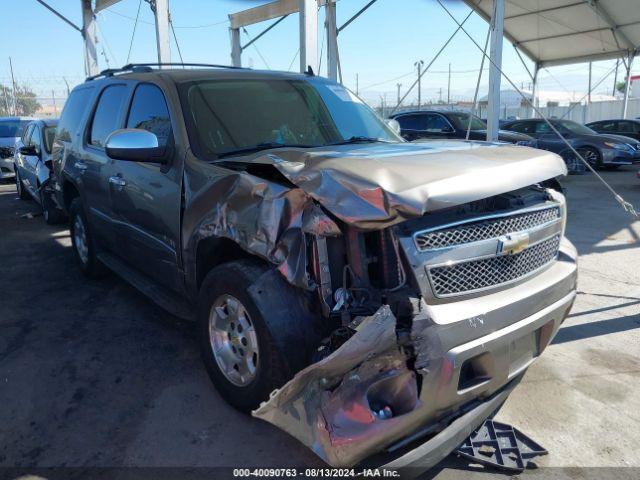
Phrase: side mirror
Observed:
(29, 150)
(393, 125)
(135, 145)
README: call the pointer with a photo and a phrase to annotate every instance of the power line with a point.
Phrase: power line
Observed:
(256, 47)
(176, 39)
(133, 34)
(208, 25)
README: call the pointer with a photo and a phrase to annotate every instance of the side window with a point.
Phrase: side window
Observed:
(26, 135)
(522, 127)
(605, 126)
(410, 122)
(623, 127)
(437, 123)
(73, 112)
(543, 128)
(106, 118)
(149, 111)
(34, 141)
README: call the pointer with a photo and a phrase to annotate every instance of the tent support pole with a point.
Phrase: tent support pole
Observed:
(493, 111)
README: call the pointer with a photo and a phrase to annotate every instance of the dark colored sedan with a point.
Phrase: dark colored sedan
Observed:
(628, 128)
(607, 151)
(451, 124)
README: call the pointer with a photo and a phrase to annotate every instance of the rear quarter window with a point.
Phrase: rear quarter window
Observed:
(73, 113)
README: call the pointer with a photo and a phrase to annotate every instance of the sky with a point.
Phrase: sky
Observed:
(377, 51)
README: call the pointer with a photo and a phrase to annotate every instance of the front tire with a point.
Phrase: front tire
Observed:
(591, 155)
(22, 193)
(84, 245)
(237, 347)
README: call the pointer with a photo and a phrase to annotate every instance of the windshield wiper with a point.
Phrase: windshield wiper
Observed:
(261, 146)
(360, 139)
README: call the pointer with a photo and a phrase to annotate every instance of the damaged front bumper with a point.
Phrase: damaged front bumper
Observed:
(6, 168)
(386, 390)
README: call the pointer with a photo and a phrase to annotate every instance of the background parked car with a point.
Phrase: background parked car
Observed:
(608, 151)
(628, 128)
(32, 164)
(11, 129)
(450, 124)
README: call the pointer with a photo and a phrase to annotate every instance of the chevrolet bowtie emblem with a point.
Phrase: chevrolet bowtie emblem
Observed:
(513, 243)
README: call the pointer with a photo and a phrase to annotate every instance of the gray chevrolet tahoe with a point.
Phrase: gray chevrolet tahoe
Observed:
(376, 299)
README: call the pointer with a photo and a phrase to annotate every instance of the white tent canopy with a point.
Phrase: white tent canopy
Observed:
(559, 32)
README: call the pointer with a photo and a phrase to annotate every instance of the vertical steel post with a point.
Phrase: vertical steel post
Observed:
(493, 109)
(332, 40)
(89, 35)
(161, 13)
(625, 102)
(534, 90)
(236, 48)
(308, 35)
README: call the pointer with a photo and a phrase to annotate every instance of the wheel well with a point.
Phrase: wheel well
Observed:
(69, 192)
(215, 251)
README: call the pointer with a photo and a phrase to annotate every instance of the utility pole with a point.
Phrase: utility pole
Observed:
(67, 84)
(13, 85)
(55, 109)
(419, 64)
(6, 99)
(399, 85)
(449, 87)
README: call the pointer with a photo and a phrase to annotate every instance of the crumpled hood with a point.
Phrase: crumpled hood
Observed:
(372, 185)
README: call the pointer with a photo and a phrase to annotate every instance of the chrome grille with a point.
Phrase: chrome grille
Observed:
(485, 229)
(466, 277)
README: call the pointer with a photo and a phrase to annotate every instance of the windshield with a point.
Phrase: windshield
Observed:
(574, 127)
(460, 120)
(240, 116)
(49, 133)
(12, 128)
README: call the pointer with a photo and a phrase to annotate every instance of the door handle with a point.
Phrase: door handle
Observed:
(81, 166)
(117, 181)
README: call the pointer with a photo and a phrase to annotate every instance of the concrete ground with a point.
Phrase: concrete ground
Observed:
(94, 374)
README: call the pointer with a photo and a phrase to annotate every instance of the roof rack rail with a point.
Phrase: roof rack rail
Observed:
(147, 67)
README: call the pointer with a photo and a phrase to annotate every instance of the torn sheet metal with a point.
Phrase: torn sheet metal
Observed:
(355, 401)
(262, 217)
(369, 186)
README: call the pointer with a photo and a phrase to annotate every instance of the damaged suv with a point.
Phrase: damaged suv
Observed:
(374, 298)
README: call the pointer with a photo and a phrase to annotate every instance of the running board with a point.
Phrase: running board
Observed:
(160, 295)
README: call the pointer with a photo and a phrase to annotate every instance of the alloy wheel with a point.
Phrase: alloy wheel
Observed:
(234, 341)
(80, 239)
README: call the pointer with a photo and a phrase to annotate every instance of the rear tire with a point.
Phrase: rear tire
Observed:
(84, 245)
(22, 193)
(50, 212)
(237, 346)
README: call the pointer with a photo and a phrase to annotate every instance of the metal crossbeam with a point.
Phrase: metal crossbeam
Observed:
(360, 12)
(59, 15)
(266, 30)
(604, 15)
(265, 12)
